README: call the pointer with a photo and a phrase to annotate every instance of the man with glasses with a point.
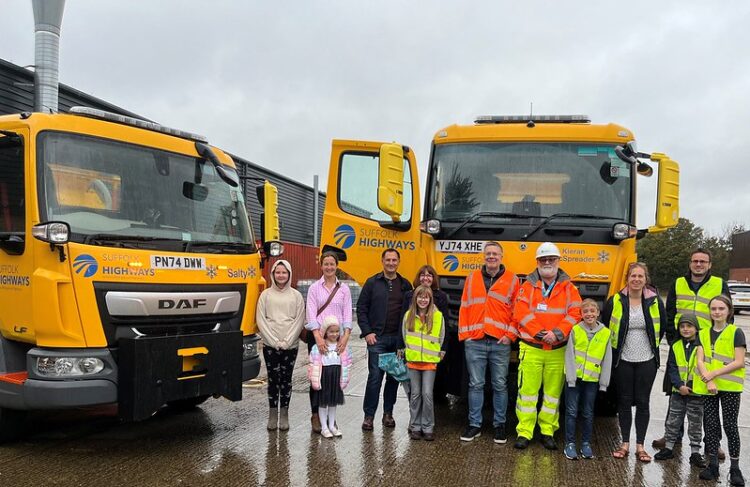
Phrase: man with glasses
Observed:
(691, 294)
(547, 307)
(485, 325)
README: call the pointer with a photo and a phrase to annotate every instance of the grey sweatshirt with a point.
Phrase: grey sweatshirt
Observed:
(570, 357)
(280, 314)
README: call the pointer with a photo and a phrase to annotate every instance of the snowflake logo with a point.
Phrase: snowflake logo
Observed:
(251, 271)
(603, 256)
(211, 271)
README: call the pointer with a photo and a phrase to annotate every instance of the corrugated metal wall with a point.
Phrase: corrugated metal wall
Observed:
(295, 198)
(303, 259)
(295, 202)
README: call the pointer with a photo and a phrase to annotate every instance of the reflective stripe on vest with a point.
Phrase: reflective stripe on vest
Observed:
(589, 354)
(689, 302)
(685, 366)
(717, 355)
(614, 321)
(420, 346)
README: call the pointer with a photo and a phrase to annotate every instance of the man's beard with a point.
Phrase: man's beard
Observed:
(548, 271)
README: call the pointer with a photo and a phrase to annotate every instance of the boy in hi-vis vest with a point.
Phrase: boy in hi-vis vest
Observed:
(588, 365)
(683, 401)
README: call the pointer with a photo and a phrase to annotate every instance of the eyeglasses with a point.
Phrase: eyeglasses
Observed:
(548, 260)
(700, 261)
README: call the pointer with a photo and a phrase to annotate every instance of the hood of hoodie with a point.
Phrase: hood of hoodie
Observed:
(589, 331)
(288, 267)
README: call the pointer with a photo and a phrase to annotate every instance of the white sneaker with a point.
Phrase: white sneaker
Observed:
(326, 433)
(335, 431)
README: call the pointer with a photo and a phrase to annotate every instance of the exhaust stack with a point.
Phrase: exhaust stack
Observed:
(47, 21)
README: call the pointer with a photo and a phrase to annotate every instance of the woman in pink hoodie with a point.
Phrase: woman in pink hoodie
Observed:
(280, 316)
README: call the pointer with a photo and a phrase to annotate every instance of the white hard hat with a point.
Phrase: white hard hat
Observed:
(547, 249)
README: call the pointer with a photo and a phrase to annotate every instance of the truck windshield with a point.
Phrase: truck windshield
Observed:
(148, 197)
(529, 179)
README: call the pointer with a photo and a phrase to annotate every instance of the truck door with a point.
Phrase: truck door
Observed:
(371, 206)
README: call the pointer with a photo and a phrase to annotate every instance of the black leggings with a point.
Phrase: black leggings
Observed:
(634, 382)
(280, 367)
(730, 410)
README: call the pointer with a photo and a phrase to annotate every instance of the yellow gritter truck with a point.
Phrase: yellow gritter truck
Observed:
(519, 180)
(129, 272)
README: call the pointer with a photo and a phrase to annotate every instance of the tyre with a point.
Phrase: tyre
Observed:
(187, 404)
(12, 424)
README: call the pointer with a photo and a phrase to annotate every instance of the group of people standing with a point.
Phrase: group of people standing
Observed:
(566, 346)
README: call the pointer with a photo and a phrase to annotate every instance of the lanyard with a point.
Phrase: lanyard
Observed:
(547, 290)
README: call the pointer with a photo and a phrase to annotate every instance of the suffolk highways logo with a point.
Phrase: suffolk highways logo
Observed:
(344, 236)
(86, 264)
(450, 263)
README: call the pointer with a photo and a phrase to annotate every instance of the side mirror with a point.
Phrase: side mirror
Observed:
(668, 193)
(391, 180)
(268, 197)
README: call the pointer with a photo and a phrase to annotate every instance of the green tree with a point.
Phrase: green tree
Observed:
(667, 253)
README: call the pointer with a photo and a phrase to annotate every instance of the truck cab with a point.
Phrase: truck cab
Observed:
(517, 180)
(129, 271)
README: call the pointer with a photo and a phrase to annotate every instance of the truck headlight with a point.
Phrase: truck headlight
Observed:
(249, 350)
(68, 366)
(430, 226)
(621, 231)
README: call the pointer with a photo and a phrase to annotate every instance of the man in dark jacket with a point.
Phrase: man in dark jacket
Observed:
(379, 319)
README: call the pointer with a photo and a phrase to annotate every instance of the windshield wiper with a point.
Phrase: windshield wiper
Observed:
(566, 215)
(481, 214)
(114, 237)
(221, 247)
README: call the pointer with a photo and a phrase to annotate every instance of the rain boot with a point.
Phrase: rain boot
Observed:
(284, 419)
(273, 419)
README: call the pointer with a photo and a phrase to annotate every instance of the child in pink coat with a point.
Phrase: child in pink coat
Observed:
(329, 374)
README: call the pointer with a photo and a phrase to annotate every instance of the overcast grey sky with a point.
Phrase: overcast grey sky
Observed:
(274, 82)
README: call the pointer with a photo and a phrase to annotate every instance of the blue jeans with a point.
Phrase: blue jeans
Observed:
(478, 354)
(583, 397)
(385, 344)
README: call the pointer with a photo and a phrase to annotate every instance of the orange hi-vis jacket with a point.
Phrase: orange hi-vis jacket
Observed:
(488, 313)
(534, 313)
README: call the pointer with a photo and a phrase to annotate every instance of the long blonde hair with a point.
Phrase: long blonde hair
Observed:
(414, 309)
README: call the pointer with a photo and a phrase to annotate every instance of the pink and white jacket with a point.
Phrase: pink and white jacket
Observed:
(315, 368)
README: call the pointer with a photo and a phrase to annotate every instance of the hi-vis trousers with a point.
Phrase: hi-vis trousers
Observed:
(539, 369)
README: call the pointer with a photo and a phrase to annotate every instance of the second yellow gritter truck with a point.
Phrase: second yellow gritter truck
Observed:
(129, 271)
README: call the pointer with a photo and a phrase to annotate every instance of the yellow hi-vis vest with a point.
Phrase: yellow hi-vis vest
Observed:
(717, 355)
(421, 347)
(689, 302)
(685, 365)
(590, 354)
(614, 321)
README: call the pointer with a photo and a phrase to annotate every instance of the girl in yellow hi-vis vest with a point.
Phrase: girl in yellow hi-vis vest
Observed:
(423, 332)
(721, 364)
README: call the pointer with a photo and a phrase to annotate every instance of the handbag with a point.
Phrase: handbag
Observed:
(303, 334)
(392, 364)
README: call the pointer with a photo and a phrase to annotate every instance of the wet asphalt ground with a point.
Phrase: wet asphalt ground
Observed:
(226, 444)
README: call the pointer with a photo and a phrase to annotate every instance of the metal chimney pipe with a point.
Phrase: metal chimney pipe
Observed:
(47, 21)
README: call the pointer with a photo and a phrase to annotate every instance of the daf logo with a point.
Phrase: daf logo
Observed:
(181, 303)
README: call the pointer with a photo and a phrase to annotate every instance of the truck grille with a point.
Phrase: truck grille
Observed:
(167, 309)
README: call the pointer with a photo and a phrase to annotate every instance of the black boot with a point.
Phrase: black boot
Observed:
(735, 476)
(710, 473)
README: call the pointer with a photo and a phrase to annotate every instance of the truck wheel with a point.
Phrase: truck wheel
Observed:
(187, 404)
(12, 424)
